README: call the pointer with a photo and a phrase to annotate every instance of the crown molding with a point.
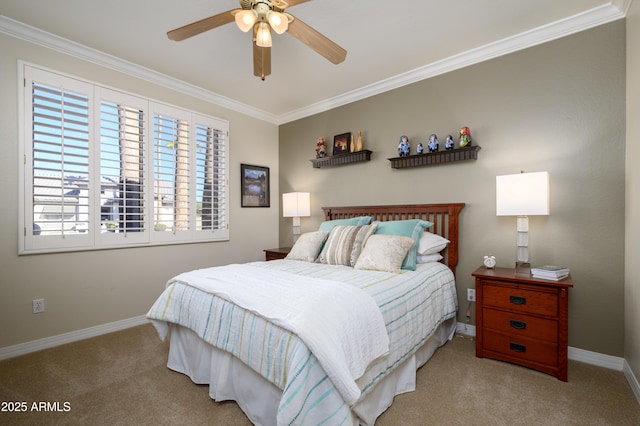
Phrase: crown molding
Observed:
(623, 5)
(580, 22)
(36, 36)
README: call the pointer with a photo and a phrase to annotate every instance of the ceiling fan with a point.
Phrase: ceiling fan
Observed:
(263, 16)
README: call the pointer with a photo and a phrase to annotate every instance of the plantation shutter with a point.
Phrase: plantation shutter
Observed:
(171, 174)
(103, 168)
(59, 178)
(211, 172)
(122, 168)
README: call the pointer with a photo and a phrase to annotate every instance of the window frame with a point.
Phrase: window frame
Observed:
(96, 238)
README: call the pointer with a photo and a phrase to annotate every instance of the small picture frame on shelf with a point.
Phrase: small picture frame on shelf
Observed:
(341, 143)
(254, 186)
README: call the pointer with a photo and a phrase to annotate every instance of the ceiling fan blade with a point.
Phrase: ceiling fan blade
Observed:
(261, 61)
(317, 41)
(291, 3)
(201, 26)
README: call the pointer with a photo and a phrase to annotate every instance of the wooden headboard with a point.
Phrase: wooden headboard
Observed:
(443, 216)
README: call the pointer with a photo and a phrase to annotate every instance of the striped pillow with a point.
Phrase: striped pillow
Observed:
(345, 244)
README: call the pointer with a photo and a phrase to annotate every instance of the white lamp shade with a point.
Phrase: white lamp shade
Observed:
(522, 194)
(296, 204)
(278, 21)
(245, 19)
(263, 35)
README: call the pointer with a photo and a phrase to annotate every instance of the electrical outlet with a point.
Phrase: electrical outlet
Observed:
(471, 294)
(38, 306)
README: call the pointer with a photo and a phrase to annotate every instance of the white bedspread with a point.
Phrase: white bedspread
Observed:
(346, 335)
(413, 305)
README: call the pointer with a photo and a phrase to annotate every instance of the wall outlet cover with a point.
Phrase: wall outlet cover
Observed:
(38, 306)
(471, 294)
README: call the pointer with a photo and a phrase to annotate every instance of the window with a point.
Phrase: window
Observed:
(103, 169)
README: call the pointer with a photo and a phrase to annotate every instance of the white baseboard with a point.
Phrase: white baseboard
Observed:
(632, 379)
(595, 358)
(466, 329)
(73, 336)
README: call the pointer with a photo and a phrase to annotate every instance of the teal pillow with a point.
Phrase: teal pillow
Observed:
(352, 221)
(413, 228)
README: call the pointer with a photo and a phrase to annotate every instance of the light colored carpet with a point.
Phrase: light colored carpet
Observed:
(122, 379)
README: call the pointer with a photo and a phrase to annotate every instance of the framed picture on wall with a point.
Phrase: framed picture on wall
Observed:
(341, 143)
(254, 184)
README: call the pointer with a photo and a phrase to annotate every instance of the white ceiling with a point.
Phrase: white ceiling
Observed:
(389, 44)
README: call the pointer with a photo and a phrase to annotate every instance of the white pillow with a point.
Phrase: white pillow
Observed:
(431, 243)
(384, 253)
(308, 246)
(426, 258)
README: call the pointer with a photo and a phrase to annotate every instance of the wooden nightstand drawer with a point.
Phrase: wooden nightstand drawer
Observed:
(520, 299)
(517, 324)
(539, 351)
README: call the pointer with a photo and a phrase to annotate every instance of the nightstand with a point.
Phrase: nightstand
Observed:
(276, 253)
(523, 320)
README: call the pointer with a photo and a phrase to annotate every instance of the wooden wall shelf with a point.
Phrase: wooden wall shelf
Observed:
(341, 159)
(440, 157)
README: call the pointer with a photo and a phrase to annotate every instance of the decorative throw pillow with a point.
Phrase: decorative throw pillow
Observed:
(384, 253)
(431, 243)
(353, 221)
(427, 258)
(308, 246)
(413, 228)
(345, 244)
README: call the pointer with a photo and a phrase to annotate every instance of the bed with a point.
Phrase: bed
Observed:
(292, 344)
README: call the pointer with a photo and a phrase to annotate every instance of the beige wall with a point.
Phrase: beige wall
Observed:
(632, 246)
(87, 289)
(557, 107)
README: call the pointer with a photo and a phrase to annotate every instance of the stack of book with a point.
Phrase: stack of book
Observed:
(550, 272)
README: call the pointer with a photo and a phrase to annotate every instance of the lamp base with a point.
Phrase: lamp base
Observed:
(296, 233)
(523, 268)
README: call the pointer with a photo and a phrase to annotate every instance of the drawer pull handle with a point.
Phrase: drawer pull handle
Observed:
(517, 347)
(518, 325)
(518, 300)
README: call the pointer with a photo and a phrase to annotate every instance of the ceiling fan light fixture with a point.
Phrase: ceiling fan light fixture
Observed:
(278, 21)
(260, 16)
(263, 35)
(245, 19)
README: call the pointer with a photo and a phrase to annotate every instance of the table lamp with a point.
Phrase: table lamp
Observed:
(296, 205)
(522, 195)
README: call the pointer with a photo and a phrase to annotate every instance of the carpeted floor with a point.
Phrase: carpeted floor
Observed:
(122, 379)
